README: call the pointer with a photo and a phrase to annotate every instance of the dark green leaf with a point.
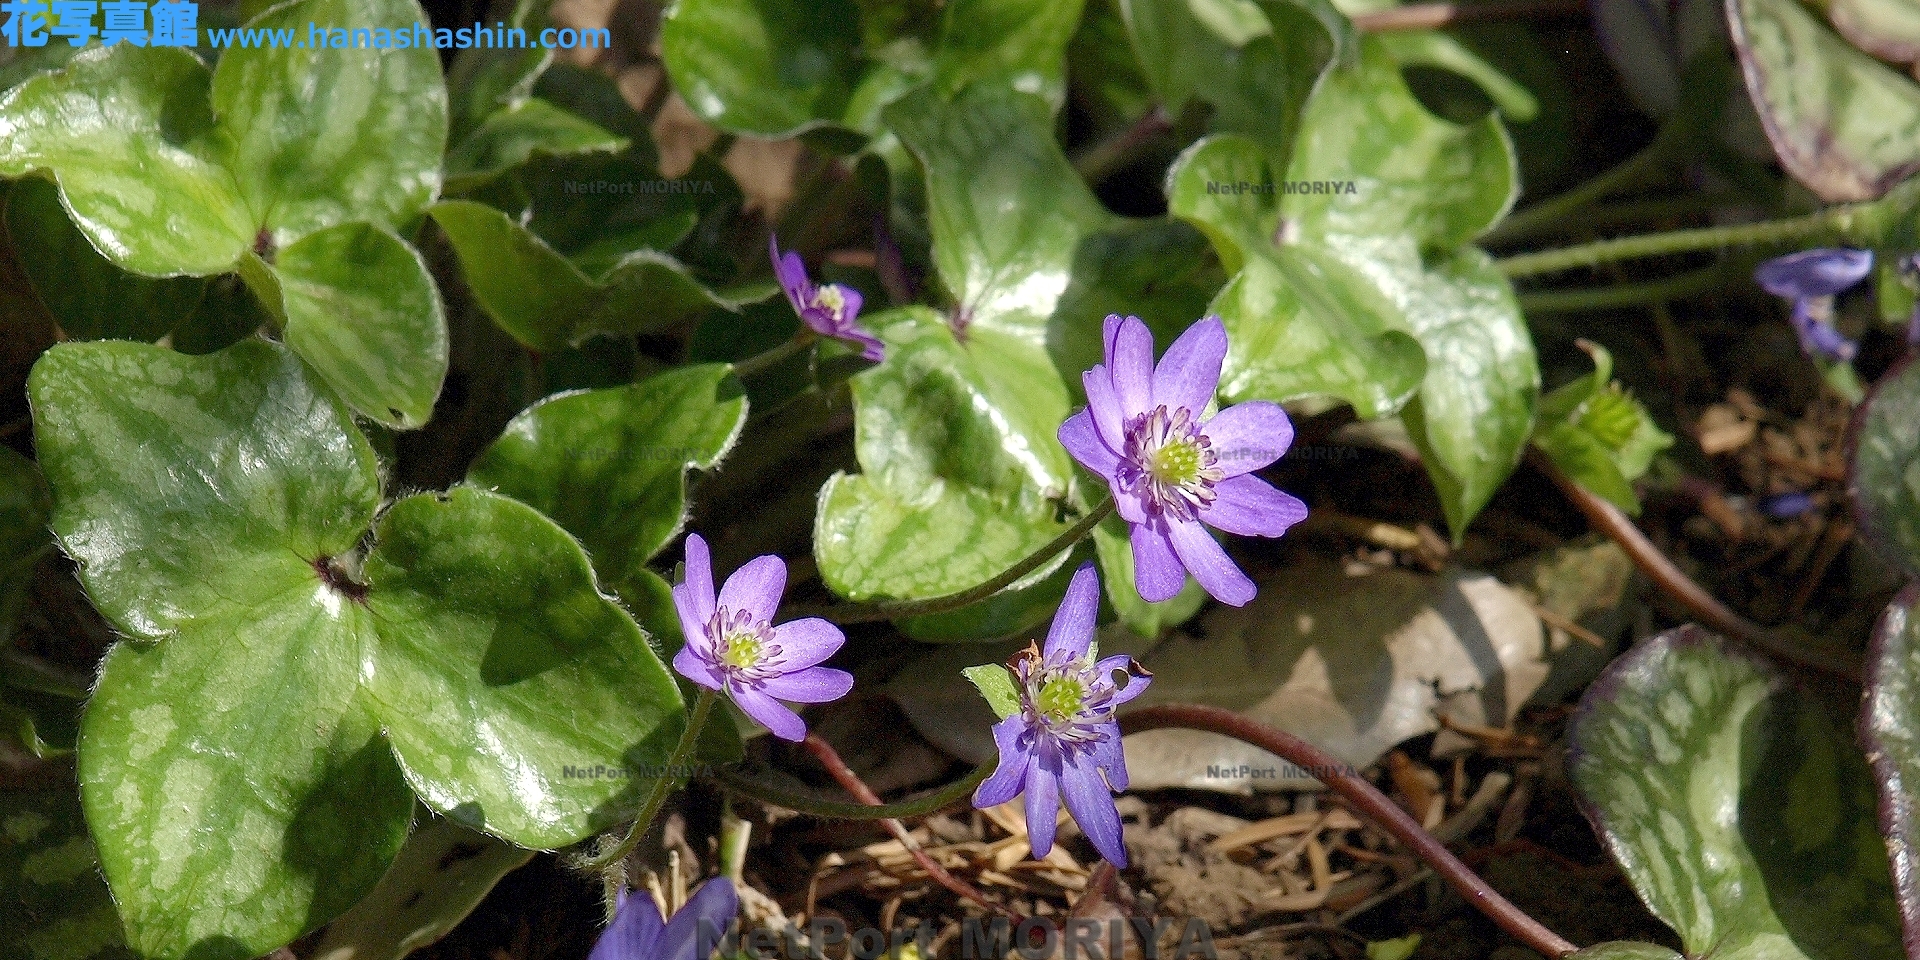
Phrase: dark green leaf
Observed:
(85, 293)
(52, 903)
(25, 508)
(513, 134)
(768, 68)
(1886, 466)
(443, 871)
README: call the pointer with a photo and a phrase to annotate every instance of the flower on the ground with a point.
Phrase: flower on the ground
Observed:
(830, 309)
(1172, 472)
(1057, 735)
(1810, 279)
(733, 646)
(638, 932)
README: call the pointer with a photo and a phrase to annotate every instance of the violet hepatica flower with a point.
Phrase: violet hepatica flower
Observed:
(1170, 471)
(733, 646)
(829, 309)
(638, 933)
(1058, 739)
(1810, 279)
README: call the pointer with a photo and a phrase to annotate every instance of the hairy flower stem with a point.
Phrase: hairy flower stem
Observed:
(682, 755)
(1855, 222)
(868, 613)
(1367, 799)
(760, 362)
(739, 782)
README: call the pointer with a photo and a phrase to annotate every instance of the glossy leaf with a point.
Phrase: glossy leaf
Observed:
(1843, 124)
(1890, 730)
(1020, 44)
(513, 134)
(85, 293)
(442, 873)
(1886, 466)
(1741, 814)
(610, 465)
(490, 612)
(1888, 29)
(360, 307)
(52, 902)
(769, 68)
(1599, 434)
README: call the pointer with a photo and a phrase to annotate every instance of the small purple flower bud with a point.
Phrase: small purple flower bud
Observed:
(1170, 471)
(1810, 279)
(1785, 506)
(1063, 743)
(639, 933)
(829, 309)
(733, 646)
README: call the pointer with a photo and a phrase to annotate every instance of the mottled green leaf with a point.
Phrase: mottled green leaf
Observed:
(996, 684)
(53, 905)
(1888, 29)
(1740, 812)
(1020, 44)
(443, 871)
(1890, 729)
(359, 306)
(1842, 123)
(1625, 950)
(769, 68)
(1886, 466)
(610, 465)
(543, 693)
(84, 292)
(1599, 434)
(513, 134)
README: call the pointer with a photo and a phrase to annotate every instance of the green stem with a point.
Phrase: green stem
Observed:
(1832, 224)
(1624, 294)
(1628, 173)
(682, 755)
(759, 362)
(793, 798)
(867, 613)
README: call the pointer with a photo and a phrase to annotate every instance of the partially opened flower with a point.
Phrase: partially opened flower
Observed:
(1170, 471)
(733, 646)
(829, 309)
(1057, 735)
(1810, 279)
(638, 933)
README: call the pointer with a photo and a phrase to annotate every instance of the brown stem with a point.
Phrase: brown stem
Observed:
(851, 782)
(1430, 16)
(1619, 528)
(1368, 800)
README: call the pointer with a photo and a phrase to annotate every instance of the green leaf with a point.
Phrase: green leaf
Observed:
(368, 148)
(1890, 731)
(443, 871)
(767, 68)
(1253, 63)
(995, 683)
(1886, 466)
(1010, 612)
(610, 465)
(129, 134)
(1740, 812)
(513, 134)
(548, 302)
(84, 292)
(360, 307)
(1020, 44)
(1596, 432)
(1431, 48)
(1888, 29)
(1842, 123)
(1112, 544)
(489, 613)
(25, 508)
(52, 903)
(1625, 950)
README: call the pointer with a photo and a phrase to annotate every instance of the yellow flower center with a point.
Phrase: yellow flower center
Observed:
(1175, 463)
(742, 650)
(831, 298)
(1061, 698)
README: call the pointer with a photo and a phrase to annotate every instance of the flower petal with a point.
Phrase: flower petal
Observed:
(792, 275)
(1110, 757)
(812, 685)
(699, 924)
(1818, 338)
(1190, 372)
(1072, 628)
(804, 643)
(1133, 367)
(1157, 572)
(1010, 777)
(1108, 419)
(1082, 440)
(1209, 564)
(1248, 436)
(768, 712)
(697, 581)
(694, 667)
(1251, 507)
(635, 931)
(1091, 804)
(756, 587)
(871, 347)
(1043, 800)
(1814, 273)
(853, 301)
(1136, 682)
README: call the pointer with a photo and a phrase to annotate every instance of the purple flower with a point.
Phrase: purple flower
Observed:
(829, 309)
(638, 933)
(1810, 279)
(1063, 742)
(1170, 471)
(732, 644)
